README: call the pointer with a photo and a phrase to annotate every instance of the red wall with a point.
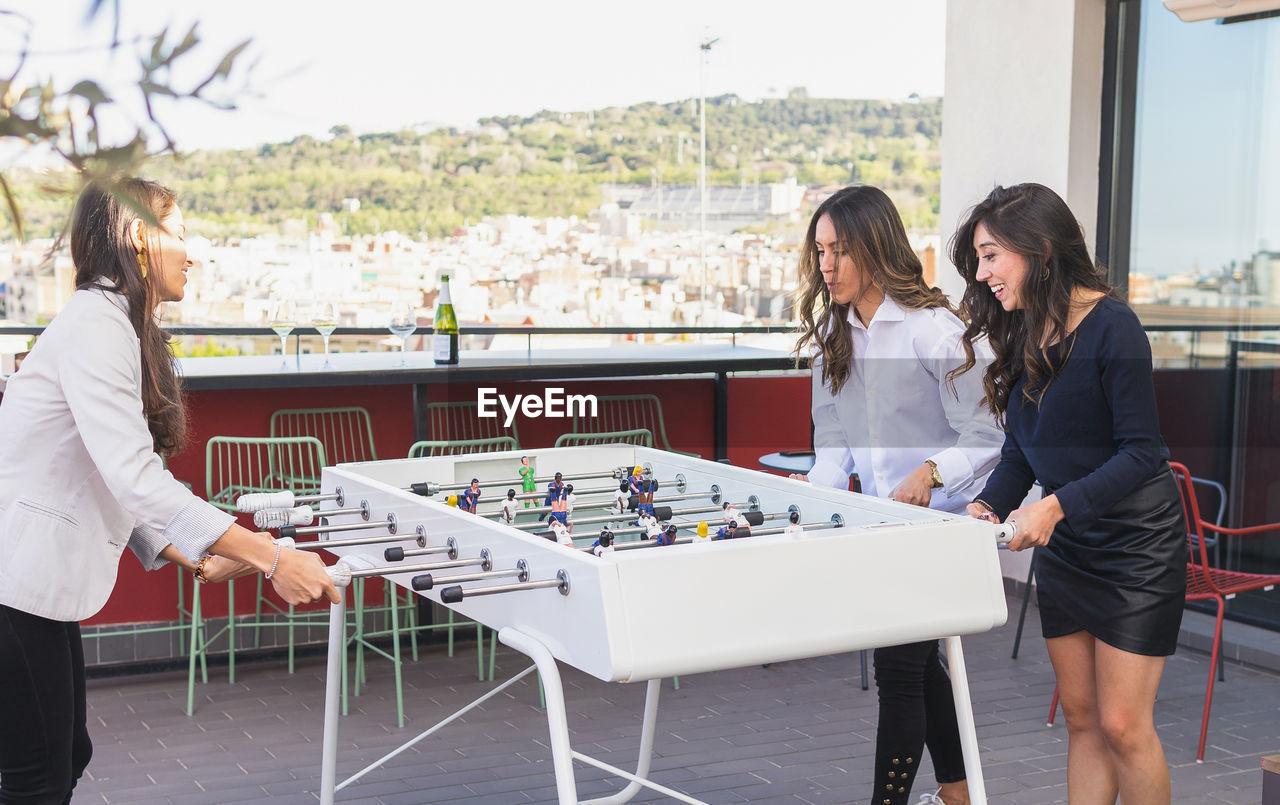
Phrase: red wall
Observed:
(766, 413)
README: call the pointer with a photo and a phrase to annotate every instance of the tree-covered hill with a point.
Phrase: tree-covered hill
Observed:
(549, 164)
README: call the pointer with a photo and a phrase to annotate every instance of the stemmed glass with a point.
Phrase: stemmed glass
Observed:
(404, 320)
(281, 319)
(325, 319)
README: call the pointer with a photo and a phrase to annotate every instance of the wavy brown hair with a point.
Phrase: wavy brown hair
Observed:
(105, 258)
(1033, 221)
(868, 229)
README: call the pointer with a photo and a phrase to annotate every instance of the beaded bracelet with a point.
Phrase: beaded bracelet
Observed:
(274, 563)
(984, 504)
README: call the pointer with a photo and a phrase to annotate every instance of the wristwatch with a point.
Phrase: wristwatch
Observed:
(199, 571)
(937, 476)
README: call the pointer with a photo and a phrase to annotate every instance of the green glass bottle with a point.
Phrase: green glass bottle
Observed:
(444, 344)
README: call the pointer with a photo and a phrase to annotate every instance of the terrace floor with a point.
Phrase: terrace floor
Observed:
(796, 732)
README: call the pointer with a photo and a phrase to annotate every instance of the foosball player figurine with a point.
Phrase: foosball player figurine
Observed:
(569, 500)
(559, 509)
(471, 497)
(509, 507)
(619, 506)
(561, 533)
(667, 537)
(647, 487)
(527, 483)
(452, 500)
(702, 533)
(604, 544)
(724, 532)
(634, 484)
(731, 515)
(652, 527)
(554, 489)
(794, 528)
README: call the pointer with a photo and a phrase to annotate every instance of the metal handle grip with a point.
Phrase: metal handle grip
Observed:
(455, 594)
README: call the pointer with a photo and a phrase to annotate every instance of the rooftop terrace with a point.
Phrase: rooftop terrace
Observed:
(796, 732)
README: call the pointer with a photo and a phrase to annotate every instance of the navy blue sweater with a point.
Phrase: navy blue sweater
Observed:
(1095, 436)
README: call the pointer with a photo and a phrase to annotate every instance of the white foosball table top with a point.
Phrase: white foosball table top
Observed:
(893, 573)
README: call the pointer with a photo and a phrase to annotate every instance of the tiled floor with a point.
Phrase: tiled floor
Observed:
(797, 732)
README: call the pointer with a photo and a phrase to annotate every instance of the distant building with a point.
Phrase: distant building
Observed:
(728, 207)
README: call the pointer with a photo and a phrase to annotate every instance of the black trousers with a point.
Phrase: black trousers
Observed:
(44, 743)
(916, 709)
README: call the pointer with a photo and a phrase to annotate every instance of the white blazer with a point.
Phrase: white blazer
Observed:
(79, 479)
(897, 409)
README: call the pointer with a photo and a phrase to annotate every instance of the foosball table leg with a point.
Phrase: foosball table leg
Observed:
(557, 718)
(332, 683)
(964, 718)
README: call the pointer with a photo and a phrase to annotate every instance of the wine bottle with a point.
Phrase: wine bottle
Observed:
(444, 344)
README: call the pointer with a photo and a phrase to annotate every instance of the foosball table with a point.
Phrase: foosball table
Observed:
(800, 571)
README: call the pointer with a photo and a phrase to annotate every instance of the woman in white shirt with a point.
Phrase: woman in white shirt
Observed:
(83, 426)
(888, 402)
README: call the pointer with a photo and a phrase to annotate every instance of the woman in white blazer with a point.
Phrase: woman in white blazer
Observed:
(83, 426)
(888, 402)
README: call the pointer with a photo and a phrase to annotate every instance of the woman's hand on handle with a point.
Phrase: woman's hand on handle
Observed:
(1035, 523)
(916, 488)
(981, 512)
(300, 578)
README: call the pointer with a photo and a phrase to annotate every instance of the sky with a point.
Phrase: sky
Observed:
(1207, 150)
(379, 65)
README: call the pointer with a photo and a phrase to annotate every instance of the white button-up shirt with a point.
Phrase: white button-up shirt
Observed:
(897, 409)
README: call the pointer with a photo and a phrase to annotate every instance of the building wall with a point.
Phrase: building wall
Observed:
(1023, 103)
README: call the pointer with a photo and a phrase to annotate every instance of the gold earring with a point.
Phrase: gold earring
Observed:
(1045, 275)
(142, 263)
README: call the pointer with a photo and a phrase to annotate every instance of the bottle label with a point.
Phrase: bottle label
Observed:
(442, 347)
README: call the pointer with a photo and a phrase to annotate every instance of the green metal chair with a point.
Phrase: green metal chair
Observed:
(460, 421)
(641, 437)
(431, 447)
(627, 412)
(346, 433)
(238, 465)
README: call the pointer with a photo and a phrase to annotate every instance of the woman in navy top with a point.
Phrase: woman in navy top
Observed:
(1072, 383)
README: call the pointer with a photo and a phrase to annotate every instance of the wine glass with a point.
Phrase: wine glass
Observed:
(404, 320)
(325, 319)
(281, 319)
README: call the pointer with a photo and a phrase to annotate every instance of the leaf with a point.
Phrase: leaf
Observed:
(13, 205)
(188, 42)
(157, 48)
(90, 91)
(224, 67)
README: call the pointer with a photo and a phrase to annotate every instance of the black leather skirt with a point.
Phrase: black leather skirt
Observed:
(1124, 579)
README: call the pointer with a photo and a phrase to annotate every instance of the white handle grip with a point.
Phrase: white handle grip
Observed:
(274, 518)
(1005, 532)
(257, 501)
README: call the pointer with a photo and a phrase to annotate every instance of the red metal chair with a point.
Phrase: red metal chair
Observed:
(1205, 582)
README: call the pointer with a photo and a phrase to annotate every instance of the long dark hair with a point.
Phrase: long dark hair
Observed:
(1033, 221)
(105, 258)
(869, 229)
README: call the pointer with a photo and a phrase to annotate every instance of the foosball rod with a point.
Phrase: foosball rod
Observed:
(303, 515)
(294, 531)
(662, 513)
(457, 593)
(427, 581)
(601, 504)
(834, 522)
(429, 488)
(753, 519)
